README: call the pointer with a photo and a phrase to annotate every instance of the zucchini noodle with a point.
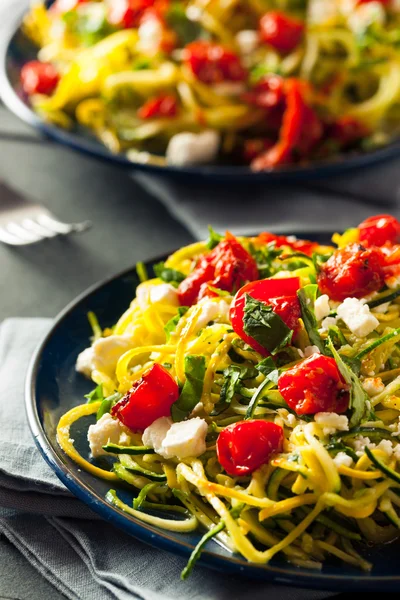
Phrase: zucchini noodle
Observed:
(332, 484)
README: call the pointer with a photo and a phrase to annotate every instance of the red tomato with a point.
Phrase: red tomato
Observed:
(149, 399)
(305, 246)
(278, 293)
(213, 63)
(280, 31)
(64, 6)
(315, 385)
(267, 93)
(227, 267)
(127, 13)
(352, 271)
(39, 78)
(384, 2)
(243, 447)
(160, 106)
(379, 230)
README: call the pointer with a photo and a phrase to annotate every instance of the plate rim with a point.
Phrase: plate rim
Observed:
(234, 564)
(17, 106)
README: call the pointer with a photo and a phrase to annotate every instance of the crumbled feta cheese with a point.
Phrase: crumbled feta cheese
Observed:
(356, 314)
(331, 422)
(187, 438)
(382, 308)
(321, 307)
(106, 430)
(360, 443)
(150, 34)
(154, 435)
(193, 148)
(247, 40)
(373, 385)
(343, 459)
(386, 446)
(212, 310)
(328, 322)
(104, 354)
(229, 88)
(310, 350)
(164, 293)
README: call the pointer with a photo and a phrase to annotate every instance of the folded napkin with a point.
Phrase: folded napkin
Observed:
(82, 556)
(332, 203)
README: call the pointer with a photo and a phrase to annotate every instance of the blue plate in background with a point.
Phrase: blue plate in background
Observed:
(53, 387)
(16, 50)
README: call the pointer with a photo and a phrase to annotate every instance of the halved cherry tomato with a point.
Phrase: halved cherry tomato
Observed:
(243, 447)
(39, 78)
(213, 63)
(160, 106)
(278, 293)
(379, 230)
(305, 246)
(267, 93)
(150, 398)
(227, 267)
(314, 385)
(353, 271)
(280, 31)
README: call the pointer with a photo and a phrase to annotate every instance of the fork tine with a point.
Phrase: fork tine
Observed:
(59, 227)
(33, 226)
(7, 238)
(20, 232)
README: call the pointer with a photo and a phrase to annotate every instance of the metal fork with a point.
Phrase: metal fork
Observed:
(24, 222)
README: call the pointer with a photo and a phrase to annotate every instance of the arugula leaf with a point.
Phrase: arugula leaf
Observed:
(265, 326)
(358, 396)
(95, 395)
(186, 29)
(214, 238)
(195, 370)
(307, 296)
(168, 275)
(172, 323)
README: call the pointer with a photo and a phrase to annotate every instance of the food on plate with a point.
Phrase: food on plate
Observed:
(252, 390)
(264, 84)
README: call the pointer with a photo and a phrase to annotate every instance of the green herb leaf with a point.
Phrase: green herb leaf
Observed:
(234, 376)
(265, 257)
(214, 238)
(195, 369)
(168, 275)
(172, 323)
(265, 326)
(95, 395)
(358, 396)
(266, 367)
(307, 296)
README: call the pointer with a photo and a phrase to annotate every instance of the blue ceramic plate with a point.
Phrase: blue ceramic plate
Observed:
(53, 387)
(16, 50)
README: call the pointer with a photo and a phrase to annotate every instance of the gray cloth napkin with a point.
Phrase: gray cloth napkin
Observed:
(83, 557)
(334, 203)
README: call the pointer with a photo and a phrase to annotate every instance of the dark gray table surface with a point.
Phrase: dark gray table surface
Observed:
(39, 280)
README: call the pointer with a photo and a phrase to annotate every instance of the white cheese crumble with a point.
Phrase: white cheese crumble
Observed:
(328, 322)
(106, 430)
(104, 354)
(310, 350)
(331, 422)
(164, 293)
(356, 314)
(193, 148)
(187, 438)
(212, 310)
(321, 307)
(373, 386)
(360, 443)
(150, 34)
(247, 40)
(288, 418)
(343, 459)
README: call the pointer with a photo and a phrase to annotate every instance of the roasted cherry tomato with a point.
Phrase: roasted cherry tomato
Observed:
(305, 246)
(352, 271)
(267, 93)
(281, 294)
(227, 267)
(314, 385)
(280, 31)
(39, 78)
(160, 106)
(384, 2)
(243, 447)
(379, 230)
(150, 398)
(213, 63)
